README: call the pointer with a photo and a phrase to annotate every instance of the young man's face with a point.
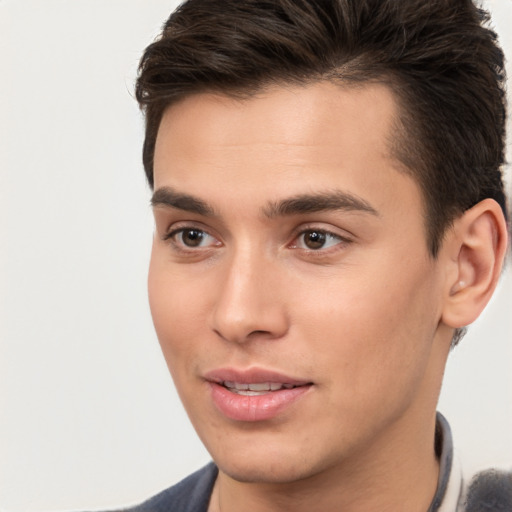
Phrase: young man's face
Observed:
(290, 282)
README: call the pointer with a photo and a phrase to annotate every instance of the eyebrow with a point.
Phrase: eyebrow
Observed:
(319, 202)
(169, 197)
(300, 204)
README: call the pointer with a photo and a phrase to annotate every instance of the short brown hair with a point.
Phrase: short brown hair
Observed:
(438, 56)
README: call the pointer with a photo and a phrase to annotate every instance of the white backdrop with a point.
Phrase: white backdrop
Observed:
(88, 415)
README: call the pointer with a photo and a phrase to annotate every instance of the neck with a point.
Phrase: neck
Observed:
(398, 473)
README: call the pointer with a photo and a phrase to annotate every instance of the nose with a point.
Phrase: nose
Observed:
(249, 303)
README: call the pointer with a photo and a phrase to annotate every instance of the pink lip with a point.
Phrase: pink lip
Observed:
(253, 408)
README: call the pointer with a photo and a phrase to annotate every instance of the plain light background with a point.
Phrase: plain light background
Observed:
(88, 415)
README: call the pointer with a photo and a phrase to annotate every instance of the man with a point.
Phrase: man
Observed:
(330, 215)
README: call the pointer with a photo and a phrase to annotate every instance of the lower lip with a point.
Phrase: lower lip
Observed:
(254, 408)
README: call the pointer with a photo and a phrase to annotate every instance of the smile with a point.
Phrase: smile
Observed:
(255, 394)
(255, 389)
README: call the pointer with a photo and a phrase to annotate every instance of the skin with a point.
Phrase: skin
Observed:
(361, 316)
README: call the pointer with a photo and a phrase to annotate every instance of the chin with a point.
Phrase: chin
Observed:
(268, 472)
(262, 463)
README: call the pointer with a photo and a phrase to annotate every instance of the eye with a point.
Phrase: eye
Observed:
(316, 239)
(191, 238)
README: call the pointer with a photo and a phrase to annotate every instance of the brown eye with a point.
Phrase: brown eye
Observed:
(314, 239)
(191, 237)
(318, 240)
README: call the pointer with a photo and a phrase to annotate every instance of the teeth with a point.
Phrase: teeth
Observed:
(263, 386)
(256, 388)
(247, 392)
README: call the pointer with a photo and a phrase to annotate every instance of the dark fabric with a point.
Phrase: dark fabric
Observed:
(190, 495)
(444, 451)
(490, 490)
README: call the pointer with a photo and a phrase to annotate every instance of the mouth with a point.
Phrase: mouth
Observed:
(254, 395)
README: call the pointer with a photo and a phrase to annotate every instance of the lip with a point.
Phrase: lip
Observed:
(254, 408)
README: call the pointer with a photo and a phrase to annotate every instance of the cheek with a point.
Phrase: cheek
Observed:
(175, 308)
(372, 329)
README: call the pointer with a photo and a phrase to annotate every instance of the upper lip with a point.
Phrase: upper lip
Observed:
(252, 376)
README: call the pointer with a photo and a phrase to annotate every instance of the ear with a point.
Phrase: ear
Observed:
(476, 247)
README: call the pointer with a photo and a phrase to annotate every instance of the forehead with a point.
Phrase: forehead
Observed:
(321, 114)
(283, 141)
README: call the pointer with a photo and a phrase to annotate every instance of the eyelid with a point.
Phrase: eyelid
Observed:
(178, 226)
(343, 234)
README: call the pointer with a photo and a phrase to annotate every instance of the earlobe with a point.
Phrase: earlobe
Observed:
(478, 244)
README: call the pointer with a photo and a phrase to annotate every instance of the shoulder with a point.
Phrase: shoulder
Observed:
(489, 490)
(190, 495)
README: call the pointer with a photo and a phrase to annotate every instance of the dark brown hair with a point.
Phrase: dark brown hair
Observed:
(439, 58)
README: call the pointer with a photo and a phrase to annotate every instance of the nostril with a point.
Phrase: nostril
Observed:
(258, 333)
